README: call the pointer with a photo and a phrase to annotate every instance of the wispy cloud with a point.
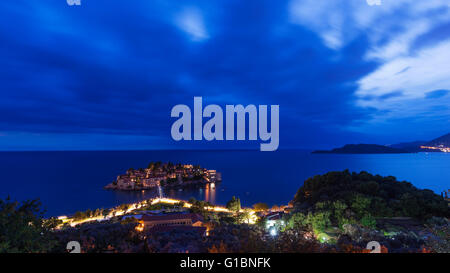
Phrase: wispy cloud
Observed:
(339, 22)
(190, 20)
(331, 65)
(400, 85)
(427, 70)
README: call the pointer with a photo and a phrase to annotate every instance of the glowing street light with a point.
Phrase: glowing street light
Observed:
(273, 231)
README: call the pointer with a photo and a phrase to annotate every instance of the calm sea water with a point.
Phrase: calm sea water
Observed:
(70, 181)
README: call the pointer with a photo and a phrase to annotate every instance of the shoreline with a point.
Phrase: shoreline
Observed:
(184, 184)
(159, 174)
(131, 207)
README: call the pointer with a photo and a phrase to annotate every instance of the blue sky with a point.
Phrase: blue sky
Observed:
(105, 75)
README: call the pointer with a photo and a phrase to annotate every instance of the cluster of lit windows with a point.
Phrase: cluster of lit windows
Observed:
(173, 223)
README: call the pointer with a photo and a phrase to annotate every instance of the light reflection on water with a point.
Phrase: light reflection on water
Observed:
(67, 182)
(203, 192)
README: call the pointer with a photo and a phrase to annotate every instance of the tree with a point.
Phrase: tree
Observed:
(368, 221)
(318, 221)
(360, 205)
(338, 208)
(222, 248)
(296, 221)
(363, 193)
(260, 207)
(79, 215)
(234, 204)
(244, 217)
(23, 229)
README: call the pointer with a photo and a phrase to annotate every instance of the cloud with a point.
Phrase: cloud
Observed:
(436, 94)
(112, 76)
(389, 26)
(399, 45)
(427, 70)
(190, 20)
(409, 43)
(317, 16)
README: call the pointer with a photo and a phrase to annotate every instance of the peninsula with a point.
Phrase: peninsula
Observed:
(164, 174)
(440, 144)
(363, 149)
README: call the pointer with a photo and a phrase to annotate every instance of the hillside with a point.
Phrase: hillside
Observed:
(366, 194)
(415, 146)
(363, 149)
(443, 140)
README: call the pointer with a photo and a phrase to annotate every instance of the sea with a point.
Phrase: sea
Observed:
(70, 181)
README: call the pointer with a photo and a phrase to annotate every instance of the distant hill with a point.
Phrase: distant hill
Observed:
(404, 145)
(443, 140)
(363, 149)
(412, 147)
(400, 148)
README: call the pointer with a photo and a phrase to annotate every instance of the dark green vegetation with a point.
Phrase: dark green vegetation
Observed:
(363, 149)
(359, 207)
(334, 212)
(101, 237)
(80, 215)
(23, 229)
(234, 204)
(260, 207)
(230, 238)
(198, 206)
(362, 196)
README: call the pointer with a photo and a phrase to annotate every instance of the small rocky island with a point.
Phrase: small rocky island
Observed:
(165, 175)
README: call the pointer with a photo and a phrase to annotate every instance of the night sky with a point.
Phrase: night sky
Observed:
(106, 74)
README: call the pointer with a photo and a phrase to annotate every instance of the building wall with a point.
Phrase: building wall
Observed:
(174, 222)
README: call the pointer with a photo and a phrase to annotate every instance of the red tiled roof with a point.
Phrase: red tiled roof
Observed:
(179, 216)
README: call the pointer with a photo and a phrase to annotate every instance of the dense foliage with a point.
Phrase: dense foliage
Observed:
(260, 207)
(234, 204)
(348, 210)
(363, 196)
(23, 229)
(96, 237)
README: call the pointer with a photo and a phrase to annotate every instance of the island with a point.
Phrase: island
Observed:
(363, 149)
(164, 174)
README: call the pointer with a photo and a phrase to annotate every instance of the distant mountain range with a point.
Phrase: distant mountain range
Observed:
(443, 140)
(414, 147)
(435, 145)
(363, 149)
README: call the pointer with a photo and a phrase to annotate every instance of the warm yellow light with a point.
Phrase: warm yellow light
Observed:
(118, 212)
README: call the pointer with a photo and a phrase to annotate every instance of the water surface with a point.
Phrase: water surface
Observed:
(70, 181)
